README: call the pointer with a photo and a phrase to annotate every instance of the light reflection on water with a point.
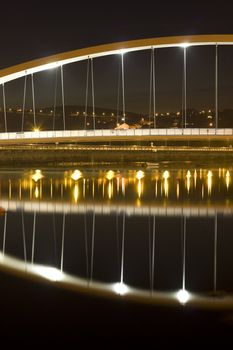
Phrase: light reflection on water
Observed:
(157, 229)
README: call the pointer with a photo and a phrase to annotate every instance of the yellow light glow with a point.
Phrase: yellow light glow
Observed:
(93, 188)
(123, 186)
(166, 174)
(209, 181)
(177, 190)
(195, 178)
(76, 175)
(118, 184)
(166, 187)
(37, 175)
(36, 129)
(36, 192)
(188, 176)
(140, 174)
(65, 182)
(156, 188)
(76, 193)
(51, 188)
(227, 179)
(84, 188)
(110, 190)
(9, 195)
(139, 188)
(110, 175)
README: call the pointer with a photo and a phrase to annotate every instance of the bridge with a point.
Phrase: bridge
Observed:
(58, 207)
(152, 133)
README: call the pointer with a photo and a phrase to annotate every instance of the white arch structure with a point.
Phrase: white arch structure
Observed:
(42, 64)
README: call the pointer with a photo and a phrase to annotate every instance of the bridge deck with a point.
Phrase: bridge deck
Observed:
(48, 207)
(115, 135)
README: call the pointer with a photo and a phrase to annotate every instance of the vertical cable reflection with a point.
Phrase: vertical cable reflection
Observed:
(4, 233)
(33, 236)
(92, 245)
(55, 238)
(63, 240)
(86, 245)
(215, 250)
(153, 256)
(24, 239)
(150, 265)
(184, 252)
(122, 249)
(117, 241)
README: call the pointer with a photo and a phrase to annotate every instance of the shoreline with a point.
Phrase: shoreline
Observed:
(55, 155)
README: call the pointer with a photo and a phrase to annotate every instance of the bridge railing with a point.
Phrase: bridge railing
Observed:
(111, 133)
(44, 206)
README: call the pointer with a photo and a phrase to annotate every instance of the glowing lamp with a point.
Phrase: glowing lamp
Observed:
(120, 288)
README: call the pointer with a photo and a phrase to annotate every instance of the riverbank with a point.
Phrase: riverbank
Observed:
(103, 154)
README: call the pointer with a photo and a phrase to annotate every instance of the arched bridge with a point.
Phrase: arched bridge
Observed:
(95, 134)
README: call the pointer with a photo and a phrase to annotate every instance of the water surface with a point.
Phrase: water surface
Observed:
(160, 229)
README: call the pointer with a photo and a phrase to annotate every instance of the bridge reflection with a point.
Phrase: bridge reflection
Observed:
(118, 230)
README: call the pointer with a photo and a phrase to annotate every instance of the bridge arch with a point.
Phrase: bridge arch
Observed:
(41, 64)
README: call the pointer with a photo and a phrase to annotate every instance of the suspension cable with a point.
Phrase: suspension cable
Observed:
(86, 100)
(63, 99)
(4, 106)
(182, 104)
(55, 101)
(123, 85)
(153, 82)
(151, 74)
(24, 100)
(33, 101)
(93, 93)
(185, 87)
(118, 92)
(216, 88)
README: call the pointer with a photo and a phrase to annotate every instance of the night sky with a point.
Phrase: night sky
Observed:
(31, 31)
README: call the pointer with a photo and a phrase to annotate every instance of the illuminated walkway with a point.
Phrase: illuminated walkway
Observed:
(115, 135)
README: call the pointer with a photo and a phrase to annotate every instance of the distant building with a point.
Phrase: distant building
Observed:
(122, 126)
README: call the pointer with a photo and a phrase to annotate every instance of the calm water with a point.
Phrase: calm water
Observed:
(159, 229)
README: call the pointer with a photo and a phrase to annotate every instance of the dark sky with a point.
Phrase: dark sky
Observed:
(35, 30)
